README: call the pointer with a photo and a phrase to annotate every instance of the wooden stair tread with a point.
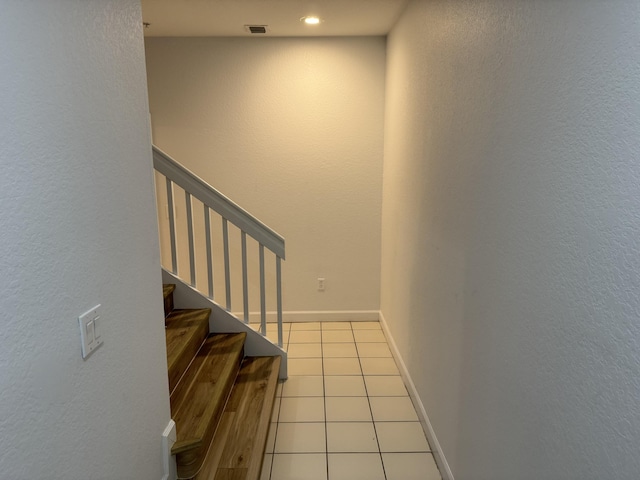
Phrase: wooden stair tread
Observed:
(237, 450)
(185, 332)
(167, 289)
(198, 401)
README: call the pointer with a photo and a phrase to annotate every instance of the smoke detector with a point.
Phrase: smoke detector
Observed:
(257, 29)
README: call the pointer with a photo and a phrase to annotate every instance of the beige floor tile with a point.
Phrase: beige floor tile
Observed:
(369, 336)
(339, 350)
(304, 350)
(300, 438)
(393, 409)
(296, 446)
(401, 437)
(273, 337)
(351, 437)
(336, 326)
(385, 386)
(273, 327)
(301, 409)
(305, 336)
(305, 326)
(342, 366)
(304, 366)
(366, 326)
(337, 336)
(296, 466)
(303, 386)
(374, 350)
(266, 467)
(272, 332)
(344, 386)
(347, 409)
(410, 466)
(355, 466)
(379, 366)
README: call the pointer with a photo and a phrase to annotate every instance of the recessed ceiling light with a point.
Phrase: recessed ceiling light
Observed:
(310, 20)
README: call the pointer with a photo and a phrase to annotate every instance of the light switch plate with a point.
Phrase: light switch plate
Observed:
(90, 331)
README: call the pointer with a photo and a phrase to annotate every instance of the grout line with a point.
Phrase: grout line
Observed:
(324, 403)
(373, 422)
(324, 397)
(285, 346)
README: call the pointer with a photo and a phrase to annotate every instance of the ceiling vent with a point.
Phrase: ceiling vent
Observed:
(256, 29)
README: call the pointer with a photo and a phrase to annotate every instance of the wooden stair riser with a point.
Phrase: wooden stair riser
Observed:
(167, 293)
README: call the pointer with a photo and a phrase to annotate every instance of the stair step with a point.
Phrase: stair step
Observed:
(167, 293)
(185, 332)
(237, 449)
(199, 399)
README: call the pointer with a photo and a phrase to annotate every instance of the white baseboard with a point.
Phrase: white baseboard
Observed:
(438, 455)
(168, 460)
(317, 316)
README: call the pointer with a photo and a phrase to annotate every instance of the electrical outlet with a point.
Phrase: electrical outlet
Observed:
(321, 285)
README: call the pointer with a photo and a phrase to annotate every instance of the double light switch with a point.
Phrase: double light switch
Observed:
(90, 331)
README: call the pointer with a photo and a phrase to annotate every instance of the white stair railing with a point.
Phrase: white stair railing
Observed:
(196, 189)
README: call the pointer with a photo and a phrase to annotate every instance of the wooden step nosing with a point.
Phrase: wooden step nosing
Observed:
(262, 432)
(186, 389)
(186, 445)
(184, 347)
(222, 427)
(184, 373)
(199, 315)
(229, 373)
(193, 447)
(181, 356)
(215, 456)
(182, 392)
(182, 352)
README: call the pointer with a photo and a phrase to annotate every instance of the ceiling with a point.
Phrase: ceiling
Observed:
(227, 18)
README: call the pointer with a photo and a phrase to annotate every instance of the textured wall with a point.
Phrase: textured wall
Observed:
(77, 228)
(292, 130)
(511, 227)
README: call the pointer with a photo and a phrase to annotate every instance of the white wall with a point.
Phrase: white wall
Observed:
(77, 230)
(292, 130)
(511, 227)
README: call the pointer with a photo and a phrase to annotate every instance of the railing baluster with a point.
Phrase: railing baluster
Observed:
(279, 297)
(248, 225)
(172, 227)
(227, 268)
(245, 280)
(207, 232)
(263, 299)
(192, 253)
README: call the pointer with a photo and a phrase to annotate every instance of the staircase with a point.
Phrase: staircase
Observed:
(221, 401)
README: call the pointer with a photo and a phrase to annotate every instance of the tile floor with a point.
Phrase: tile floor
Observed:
(344, 412)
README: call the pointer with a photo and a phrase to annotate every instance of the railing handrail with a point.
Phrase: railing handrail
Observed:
(215, 200)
